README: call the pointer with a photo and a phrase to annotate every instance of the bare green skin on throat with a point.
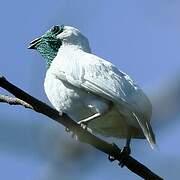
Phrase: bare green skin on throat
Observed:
(48, 45)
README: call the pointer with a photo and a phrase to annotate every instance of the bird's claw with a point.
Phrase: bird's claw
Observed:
(111, 158)
(67, 129)
(84, 125)
(72, 134)
(126, 151)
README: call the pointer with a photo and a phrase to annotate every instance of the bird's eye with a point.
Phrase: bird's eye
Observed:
(55, 29)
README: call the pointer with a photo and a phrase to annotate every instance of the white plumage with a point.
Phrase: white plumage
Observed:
(82, 84)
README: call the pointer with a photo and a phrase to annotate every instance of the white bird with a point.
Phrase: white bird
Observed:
(91, 90)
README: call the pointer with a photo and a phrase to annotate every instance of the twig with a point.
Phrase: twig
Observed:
(82, 134)
(14, 101)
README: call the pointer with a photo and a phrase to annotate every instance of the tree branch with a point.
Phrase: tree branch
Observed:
(26, 100)
(14, 101)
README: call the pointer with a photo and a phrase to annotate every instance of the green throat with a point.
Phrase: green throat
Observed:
(48, 45)
(49, 51)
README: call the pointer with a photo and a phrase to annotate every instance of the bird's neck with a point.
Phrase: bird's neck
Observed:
(74, 47)
(66, 48)
(49, 59)
(48, 53)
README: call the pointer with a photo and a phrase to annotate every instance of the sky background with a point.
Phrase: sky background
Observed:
(142, 38)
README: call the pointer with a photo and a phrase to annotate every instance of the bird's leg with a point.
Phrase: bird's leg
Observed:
(99, 108)
(84, 122)
(111, 158)
(127, 148)
(126, 151)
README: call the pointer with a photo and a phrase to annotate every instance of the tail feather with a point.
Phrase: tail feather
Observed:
(147, 130)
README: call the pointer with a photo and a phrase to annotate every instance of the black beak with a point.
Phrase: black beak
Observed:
(34, 43)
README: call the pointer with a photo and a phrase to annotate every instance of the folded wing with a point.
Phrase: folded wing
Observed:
(100, 77)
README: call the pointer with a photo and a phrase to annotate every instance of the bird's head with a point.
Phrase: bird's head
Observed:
(49, 44)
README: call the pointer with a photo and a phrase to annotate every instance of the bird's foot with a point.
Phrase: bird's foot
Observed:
(111, 158)
(72, 134)
(125, 152)
(67, 130)
(84, 122)
(84, 125)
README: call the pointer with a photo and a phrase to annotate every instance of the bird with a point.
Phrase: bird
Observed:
(91, 90)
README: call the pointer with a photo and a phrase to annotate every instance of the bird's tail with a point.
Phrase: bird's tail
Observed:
(147, 130)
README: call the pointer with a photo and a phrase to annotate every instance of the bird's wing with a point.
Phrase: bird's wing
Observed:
(100, 77)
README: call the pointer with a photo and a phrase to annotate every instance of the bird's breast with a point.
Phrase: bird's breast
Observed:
(68, 98)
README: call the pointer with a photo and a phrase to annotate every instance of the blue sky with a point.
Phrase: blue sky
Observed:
(142, 38)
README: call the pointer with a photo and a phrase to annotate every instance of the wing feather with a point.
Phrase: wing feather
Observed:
(100, 77)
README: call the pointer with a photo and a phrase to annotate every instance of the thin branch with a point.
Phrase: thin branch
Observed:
(14, 101)
(83, 135)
